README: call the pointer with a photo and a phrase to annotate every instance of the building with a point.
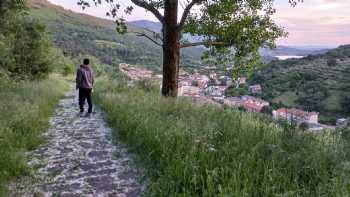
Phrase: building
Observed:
(203, 100)
(185, 82)
(193, 80)
(297, 115)
(214, 78)
(216, 91)
(202, 81)
(135, 73)
(342, 122)
(253, 104)
(191, 91)
(233, 102)
(242, 80)
(255, 89)
(226, 81)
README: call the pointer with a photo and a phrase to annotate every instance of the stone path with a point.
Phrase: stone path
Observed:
(80, 159)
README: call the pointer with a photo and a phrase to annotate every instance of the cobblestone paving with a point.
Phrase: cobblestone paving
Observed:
(80, 159)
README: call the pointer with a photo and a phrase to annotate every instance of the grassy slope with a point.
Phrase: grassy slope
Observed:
(287, 81)
(25, 108)
(208, 151)
(83, 34)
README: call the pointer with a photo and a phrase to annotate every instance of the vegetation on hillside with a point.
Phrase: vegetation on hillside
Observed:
(26, 51)
(80, 34)
(189, 150)
(25, 108)
(314, 83)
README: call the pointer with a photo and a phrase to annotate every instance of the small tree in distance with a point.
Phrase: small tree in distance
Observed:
(240, 27)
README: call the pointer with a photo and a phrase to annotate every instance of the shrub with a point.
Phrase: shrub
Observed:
(304, 126)
(331, 62)
(24, 43)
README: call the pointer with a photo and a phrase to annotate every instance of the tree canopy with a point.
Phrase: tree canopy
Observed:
(237, 28)
(241, 25)
(25, 47)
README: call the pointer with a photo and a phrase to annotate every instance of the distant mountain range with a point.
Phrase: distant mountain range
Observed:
(278, 51)
(292, 51)
(146, 24)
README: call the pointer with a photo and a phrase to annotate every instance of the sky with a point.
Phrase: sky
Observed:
(324, 23)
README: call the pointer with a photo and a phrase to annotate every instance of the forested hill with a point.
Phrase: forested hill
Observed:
(316, 82)
(83, 34)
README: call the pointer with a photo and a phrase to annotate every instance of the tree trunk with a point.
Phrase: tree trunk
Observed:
(171, 49)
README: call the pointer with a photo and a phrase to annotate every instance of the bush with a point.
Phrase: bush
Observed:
(28, 48)
(345, 103)
(24, 43)
(304, 126)
(240, 91)
(331, 62)
(207, 151)
(61, 63)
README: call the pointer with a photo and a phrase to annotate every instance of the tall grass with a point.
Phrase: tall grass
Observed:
(25, 108)
(189, 150)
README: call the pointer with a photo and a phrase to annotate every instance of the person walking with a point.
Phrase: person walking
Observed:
(85, 82)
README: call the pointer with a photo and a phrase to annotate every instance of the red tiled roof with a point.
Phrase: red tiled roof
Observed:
(313, 114)
(253, 106)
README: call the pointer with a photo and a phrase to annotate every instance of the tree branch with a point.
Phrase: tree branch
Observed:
(141, 34)
(186, 12)
(186, 45)
(150, 8)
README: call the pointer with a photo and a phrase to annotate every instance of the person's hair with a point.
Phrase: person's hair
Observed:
(86, 61)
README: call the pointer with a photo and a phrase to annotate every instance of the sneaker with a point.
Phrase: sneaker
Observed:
(88, 115)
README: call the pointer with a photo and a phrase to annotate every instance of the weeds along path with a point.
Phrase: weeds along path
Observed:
(80, 159)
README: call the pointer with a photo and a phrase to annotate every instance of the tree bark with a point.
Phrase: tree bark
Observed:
(171, 49)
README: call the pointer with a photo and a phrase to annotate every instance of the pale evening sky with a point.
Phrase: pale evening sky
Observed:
(314, 22)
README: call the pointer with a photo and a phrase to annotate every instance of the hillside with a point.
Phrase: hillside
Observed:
(291, 51)
(146, 24)
(316, 82)
(83, 34)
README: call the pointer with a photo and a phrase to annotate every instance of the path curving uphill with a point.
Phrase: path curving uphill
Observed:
(80, 159)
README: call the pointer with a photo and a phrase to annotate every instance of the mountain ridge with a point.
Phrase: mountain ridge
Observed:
(82, 34)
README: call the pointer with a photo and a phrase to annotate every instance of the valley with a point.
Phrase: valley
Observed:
(200, 127)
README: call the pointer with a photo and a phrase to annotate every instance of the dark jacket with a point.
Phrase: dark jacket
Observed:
(85, 77)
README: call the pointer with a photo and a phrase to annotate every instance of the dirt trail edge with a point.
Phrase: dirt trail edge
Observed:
(80, 159)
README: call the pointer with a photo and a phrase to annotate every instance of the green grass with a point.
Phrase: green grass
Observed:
(189, 150)
(25, 109)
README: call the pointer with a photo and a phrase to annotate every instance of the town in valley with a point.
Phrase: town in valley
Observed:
(212, 88)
